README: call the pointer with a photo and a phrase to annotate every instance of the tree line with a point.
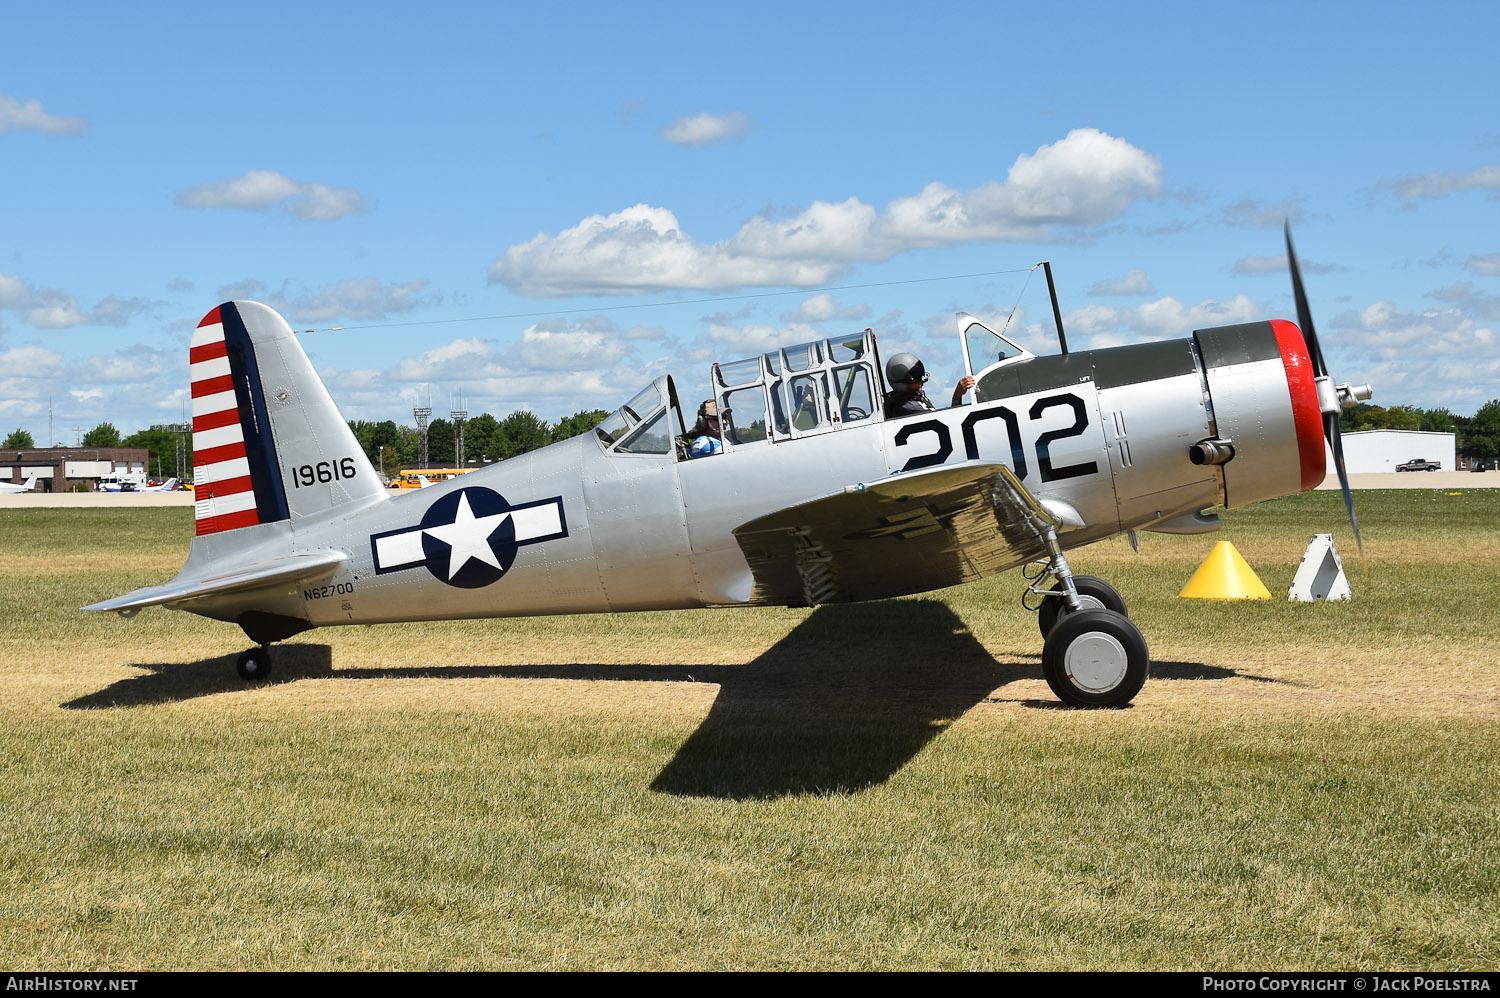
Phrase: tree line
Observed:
(486, 439)
(389, 446)
(1478, 435)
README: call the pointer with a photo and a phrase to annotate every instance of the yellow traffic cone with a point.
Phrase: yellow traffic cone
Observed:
(1224, 574)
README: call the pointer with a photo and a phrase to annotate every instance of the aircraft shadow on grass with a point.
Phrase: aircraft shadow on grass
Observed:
(840, 704)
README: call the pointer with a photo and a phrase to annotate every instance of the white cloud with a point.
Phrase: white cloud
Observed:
(51, 308)
(257, 190)
(1262, 214)
(567, 349)
(361, 298)
(59, 314)
(645, 333)
(1418, 186)
(172, 404)
(361, 378)
(133, 365)
(1472, 302)
(1439, 355)
(45, 308)
(14, 292)
(1249, 265)
(455, 360)
(1134, 282)
(752, 338)
(1488, 265)
(116, 311)
(1107, 326)
(823, 307)
(16, 116)
(837, 232)
(703, 128)
(356, 298)
(32, 362)
(817, 308)
(1085, 179)
(324, 204)
(87, 395)
(556, 368)
(639, 249)
(1261, 265)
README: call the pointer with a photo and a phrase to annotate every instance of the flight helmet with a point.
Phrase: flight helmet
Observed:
(905, 369)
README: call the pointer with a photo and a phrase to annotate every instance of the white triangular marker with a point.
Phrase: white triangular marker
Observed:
(1321, 574)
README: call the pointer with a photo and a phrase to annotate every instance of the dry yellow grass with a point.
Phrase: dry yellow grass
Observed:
(865, 787)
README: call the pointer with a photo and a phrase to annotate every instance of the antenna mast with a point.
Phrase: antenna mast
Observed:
(423, 414)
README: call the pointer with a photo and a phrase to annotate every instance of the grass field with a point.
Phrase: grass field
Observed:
(888, 785)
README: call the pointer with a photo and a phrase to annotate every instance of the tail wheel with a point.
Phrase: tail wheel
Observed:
(1094, 594)
(254, 665)
(1095, 658)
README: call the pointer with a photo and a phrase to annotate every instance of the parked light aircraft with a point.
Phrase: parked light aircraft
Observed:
(120, 483)
(816, 496)
(6, 488)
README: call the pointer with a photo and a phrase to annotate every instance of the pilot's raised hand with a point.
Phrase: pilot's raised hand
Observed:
(964, 384)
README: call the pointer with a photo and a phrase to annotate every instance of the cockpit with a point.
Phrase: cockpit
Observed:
(644, 425)
(984, 349)
(795, 391)
(799, 390)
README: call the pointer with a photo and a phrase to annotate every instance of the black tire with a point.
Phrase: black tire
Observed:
(1095, 594)
(1095, 658)
(254, 665)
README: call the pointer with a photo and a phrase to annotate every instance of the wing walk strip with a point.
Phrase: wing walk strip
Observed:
(220, 468)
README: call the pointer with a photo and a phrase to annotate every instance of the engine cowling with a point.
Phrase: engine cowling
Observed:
(1264, 402)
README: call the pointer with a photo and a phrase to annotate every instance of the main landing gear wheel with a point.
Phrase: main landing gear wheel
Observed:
(1094, 594)
(1095, 658)
(254, 665)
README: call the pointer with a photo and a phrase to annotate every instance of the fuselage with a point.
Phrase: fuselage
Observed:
(1102, 438)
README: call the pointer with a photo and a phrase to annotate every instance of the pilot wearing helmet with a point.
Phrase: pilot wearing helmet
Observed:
(907, 376)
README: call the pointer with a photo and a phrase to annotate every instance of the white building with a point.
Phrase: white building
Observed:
(1368, 451)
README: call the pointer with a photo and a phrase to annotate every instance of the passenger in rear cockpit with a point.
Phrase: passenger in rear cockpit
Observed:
(706, 435)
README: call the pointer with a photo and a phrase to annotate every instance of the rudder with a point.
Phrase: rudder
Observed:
(268, 442)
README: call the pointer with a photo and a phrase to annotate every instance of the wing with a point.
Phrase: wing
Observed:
(298, 568)
(904, 534)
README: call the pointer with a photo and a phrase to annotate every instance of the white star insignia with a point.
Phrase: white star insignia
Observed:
(469, 536)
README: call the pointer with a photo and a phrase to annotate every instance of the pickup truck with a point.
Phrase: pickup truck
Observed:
(1419, 464)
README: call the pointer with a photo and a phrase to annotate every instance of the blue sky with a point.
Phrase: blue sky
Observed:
(472, 191)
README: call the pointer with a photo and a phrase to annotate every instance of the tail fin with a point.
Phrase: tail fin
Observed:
(268, 442)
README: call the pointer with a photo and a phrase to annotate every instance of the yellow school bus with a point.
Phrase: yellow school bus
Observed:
(411, 478)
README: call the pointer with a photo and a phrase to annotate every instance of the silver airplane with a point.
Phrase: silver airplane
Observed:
(816, 496)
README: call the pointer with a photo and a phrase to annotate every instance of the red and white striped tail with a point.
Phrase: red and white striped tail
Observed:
(225, 495)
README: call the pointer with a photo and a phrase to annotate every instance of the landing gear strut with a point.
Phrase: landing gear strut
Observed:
(1092, 655)
(254, 665)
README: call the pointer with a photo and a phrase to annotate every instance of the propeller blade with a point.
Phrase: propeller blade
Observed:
(1336, 442)
(1331, 430)
(1304, 314)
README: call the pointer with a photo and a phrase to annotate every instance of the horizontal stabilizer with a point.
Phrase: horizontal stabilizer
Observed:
(297, 568)
(909, 533)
